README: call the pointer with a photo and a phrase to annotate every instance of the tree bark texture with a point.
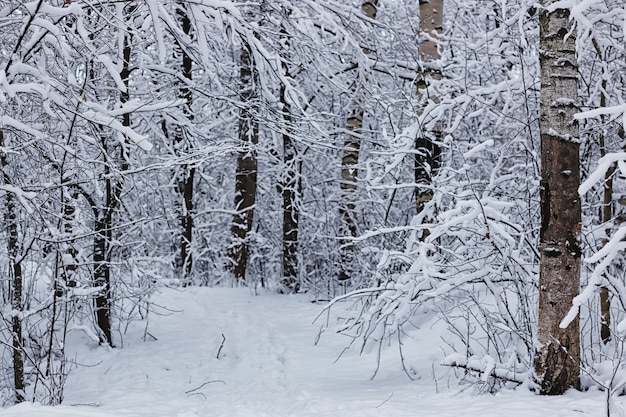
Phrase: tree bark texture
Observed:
(13, 251)
(246, 170)
(607, 216)
(185, 180)
(69, 254)
(350, 169)
(427, 151)
(102, 279)
(431, 20)
(291, 191)
(557, 360)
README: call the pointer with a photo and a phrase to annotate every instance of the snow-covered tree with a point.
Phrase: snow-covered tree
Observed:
(557, 362)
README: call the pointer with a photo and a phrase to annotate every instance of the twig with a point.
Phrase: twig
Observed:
(221, 346)
(383, 403)
(502, 374)
(206, 383)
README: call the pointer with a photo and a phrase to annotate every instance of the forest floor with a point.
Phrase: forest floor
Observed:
(227, 352)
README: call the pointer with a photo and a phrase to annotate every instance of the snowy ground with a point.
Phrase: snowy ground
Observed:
(269, 366)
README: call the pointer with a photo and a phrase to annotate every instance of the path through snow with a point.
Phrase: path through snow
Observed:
(269, 366)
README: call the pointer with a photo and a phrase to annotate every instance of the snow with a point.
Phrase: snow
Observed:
(269, 365)
(478, 148)
(609, 110)
(106, 120)
(604, 165)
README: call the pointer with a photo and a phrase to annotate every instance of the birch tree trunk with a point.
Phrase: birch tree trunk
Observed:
(557, 359)
(428, 153)
(350, 170)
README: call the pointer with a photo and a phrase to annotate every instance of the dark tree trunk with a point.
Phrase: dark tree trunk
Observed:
(69, 263)
(186, 174)
(16, 305)
(105, 217)
(246, 170)
(557, 360)
(606, 214)
(427, 163)
(290, 194)
(13, 250)
(102, 279)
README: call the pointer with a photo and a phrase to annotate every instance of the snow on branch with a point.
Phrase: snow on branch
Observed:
(485, 367)
(604, 165)
(589, 114)
(605, 257)
(108, 121)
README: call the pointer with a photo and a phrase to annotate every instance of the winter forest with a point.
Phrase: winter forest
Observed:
(399, 161)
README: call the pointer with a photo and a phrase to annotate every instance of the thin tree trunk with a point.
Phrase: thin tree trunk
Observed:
(606, 213)
(607, 216)
(350, 170)
(105, 216)
(349, 177)
(69, 263)
(186, 174)
(246, 170)
(17, 304)
(427, 151)
(290, 194)
(13, 249)
(102, 279)
(557, 360)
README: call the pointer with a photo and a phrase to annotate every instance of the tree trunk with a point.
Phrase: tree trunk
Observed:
(290, 193)
(431, 28)
(557, 360)
(104, 217)
(102, 279)
(186, 174)
(69, 262)
(349, 177)
(246, 170)
(427, 151)
(606, 214)
(13, 251)
(350, 170)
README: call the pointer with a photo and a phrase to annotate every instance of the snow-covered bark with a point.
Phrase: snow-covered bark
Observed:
(350, 162)
(557, 361)
(291, 183)
(15, 256)
(247, 164)
(427, 142)
(183, 142)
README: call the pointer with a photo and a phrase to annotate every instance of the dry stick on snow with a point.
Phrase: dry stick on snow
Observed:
(221, 346)
(206, 383)
(498, 373)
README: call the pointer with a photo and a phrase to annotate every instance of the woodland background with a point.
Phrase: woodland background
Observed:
(386, 153)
